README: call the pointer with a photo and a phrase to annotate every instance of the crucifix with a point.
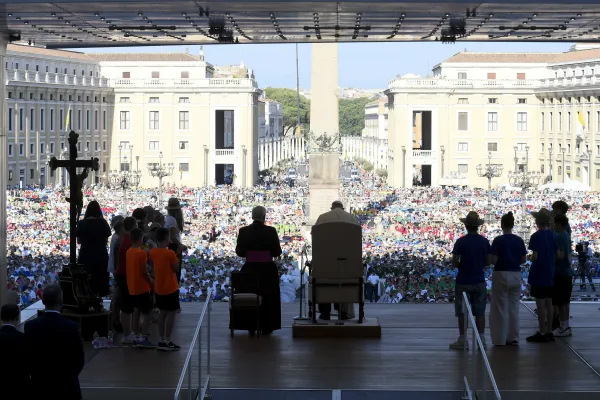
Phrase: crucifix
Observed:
(73, 278)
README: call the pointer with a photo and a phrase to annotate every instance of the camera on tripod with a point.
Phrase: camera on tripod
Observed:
(581, 248)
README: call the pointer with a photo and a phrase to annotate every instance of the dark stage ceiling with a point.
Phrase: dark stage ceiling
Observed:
(100, 23)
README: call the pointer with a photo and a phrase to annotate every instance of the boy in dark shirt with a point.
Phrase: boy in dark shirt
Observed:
(470, 255)
(563, 277)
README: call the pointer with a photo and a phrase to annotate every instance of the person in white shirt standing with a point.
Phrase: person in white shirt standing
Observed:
(373, 287)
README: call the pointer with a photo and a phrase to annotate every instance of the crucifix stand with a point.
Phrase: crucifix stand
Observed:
(74, 279)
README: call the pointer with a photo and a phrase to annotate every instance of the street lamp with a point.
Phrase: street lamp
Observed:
(524, 179)
(563, 150)
(489, 171)
(442, 151)
(550, 158)
(205, 165)
(125, 177)
(244, 154)
(160, 170)
(589, 154)
(403, 166)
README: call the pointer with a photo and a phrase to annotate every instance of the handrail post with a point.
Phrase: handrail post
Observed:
(189, 383)
(200, 384)
(208, 346)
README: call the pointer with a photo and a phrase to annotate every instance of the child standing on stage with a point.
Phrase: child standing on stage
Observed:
(166, 265)
(140, 287)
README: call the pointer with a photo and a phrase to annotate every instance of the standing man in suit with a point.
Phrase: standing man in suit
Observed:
(57, 341)
(13, 349)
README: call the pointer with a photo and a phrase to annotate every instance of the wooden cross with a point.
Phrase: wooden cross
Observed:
(76, 183)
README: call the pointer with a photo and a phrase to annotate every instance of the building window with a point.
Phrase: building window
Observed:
(32, 119)
(21, 119)
(51, 148)
(491, 76)
(104, 145)
(463, 168)
(31, 149)
(184, 99)
(492, 122)
(125, 122)
(184, 120)
(124, 145)
(87, 146)
(493, 100)
(185, 75)
(569, 121)
(103, 119)
(21, 149)
(184, 145)
(560, 121)
(542, 122)
(521, 121)
(492, 146)
(154, 120)
(87, 99)
(463, 121)
(568, 148)
(126, 75)
(10, 149)
(463, 146)
(103, 167)
(124, 100)
(521, 76)
(462, 75)
(154, 100)
(79, 119)
(96, 119)
(31, 173)
(153, 145)
(60, 119)
(52, 119)
(10, 175)
(542, 148)
(87, 120)
(522, 101)
(588, 119)
(10, 119)
(521, 147)
(42, 148)
(184, 167)
(155, 75)
(96, 146)
(42, 119)
(578, 172)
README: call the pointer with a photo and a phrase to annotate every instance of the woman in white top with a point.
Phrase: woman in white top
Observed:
(174, 223)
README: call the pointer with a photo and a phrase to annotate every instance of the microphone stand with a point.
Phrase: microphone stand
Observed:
(301, 316)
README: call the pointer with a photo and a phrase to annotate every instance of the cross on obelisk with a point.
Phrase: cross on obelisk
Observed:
(76, 184)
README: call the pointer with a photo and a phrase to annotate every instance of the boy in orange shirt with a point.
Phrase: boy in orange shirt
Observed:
(166, 288)
(140, 287)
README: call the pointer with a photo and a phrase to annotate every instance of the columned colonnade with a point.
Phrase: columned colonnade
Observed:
(273, 150)
(371, 149)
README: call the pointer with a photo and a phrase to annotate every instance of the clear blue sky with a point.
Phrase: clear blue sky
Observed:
(361, 65)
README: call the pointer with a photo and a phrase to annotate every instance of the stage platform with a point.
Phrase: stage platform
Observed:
(410, 361)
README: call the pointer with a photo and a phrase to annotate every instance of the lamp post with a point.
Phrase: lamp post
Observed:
(589, 154)
(489, 171)
(244, 154)
(125, 177)
(160, 170)
(563, 150)
(205, 165)
(550, 159)
(403, 166)
(524, 179)
(442, 151)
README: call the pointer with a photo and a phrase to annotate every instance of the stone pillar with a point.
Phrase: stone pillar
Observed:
(324, 166)
(4, 168)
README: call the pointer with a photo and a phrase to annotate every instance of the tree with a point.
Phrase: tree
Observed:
(352, 115)
(288, 98)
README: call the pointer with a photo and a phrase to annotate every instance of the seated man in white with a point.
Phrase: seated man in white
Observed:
(337, 214)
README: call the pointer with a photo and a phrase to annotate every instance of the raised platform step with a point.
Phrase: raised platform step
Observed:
(370, 328)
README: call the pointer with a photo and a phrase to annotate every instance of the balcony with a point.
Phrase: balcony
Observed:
(243, 83)
(15, 75)
(423, 156)
(224, 152)
(569, 82)
(433, 83)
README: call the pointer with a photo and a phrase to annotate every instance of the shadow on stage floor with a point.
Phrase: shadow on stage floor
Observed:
(412, 356)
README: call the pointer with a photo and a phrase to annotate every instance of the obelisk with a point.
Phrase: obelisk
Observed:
(324, 166)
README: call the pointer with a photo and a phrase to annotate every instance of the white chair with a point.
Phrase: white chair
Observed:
(337, 274)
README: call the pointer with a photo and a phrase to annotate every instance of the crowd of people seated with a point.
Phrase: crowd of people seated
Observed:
(408, 233)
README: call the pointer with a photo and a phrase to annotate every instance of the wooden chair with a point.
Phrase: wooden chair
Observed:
(245, 302)
(337, 269)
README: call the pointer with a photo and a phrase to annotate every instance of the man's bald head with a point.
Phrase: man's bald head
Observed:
(52, 297)
(337, 204)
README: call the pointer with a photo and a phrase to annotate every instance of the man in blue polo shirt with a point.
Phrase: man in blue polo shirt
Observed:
(470, 255)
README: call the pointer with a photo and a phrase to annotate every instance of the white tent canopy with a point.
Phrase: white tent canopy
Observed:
(569, 184)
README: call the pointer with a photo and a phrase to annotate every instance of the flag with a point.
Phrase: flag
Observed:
(580, 124)
(68, 119)
(298, 131)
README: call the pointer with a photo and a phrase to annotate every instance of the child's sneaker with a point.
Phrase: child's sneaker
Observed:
(129, 339)
(169, 346)
(162, 346)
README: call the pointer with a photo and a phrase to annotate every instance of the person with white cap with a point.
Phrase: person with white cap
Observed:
(471, 253)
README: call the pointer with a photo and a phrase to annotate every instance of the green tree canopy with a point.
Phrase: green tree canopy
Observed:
(352, 115)
(288, 98)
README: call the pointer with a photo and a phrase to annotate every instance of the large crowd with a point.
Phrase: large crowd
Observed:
(408, 233)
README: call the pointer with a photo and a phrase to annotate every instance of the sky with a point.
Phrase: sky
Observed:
(361, 65)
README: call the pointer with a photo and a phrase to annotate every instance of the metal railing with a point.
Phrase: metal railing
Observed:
(471, 393)
(202, 390)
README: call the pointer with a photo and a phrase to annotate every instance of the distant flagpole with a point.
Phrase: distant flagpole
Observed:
(68, 119)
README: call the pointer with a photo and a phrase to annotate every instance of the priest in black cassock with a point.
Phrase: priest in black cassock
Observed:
(259, 244)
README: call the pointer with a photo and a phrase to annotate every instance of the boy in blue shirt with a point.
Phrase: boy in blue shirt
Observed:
(470, 255)
(541, 275)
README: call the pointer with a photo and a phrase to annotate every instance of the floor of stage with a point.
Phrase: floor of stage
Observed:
(412, 355)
